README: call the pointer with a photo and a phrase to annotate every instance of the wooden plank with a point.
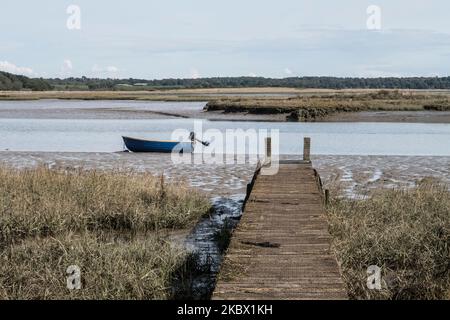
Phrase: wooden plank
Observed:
(281, 248)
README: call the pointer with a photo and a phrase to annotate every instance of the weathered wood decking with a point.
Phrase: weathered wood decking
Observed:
(281, 248)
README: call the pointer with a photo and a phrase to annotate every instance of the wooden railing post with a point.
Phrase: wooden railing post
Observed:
(307, 149)
(268, 148)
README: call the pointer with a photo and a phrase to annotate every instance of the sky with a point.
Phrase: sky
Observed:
(151, 39)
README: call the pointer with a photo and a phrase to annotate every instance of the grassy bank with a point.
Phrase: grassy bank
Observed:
(151, 95)
(112, 225)
(102, 95)
(404, 232)
(310, 108)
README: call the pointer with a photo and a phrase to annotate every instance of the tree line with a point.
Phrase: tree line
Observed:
(10, 81)
(15, 82)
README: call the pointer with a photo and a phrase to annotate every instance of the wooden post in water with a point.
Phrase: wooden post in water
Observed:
(268, 148)
(307, 149)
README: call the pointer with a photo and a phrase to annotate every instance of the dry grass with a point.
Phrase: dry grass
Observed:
(43, 202)
(103, 95)
(113, 269)
(404, 232)
(270, 95)
(106, 223)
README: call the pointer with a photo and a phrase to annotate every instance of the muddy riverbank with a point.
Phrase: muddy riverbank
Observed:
(230, 180)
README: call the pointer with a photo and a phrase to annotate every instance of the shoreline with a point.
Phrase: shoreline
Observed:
(437, 117)
(228, 180)
(238, 104)
(148, 110)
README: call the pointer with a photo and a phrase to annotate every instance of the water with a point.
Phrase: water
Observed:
(203, 240)
(97, 126)
(92, 135)
(83, 106)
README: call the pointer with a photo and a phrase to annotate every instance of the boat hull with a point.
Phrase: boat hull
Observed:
(138, 145)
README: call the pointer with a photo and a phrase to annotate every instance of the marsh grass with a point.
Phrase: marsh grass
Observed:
(136, 269)
(404, 232)
(310, 108)
(44, 202)
(112, 225)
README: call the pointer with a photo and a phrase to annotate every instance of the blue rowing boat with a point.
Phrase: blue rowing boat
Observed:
(139, 145)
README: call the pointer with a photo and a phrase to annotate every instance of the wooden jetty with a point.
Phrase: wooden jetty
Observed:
(281, 248)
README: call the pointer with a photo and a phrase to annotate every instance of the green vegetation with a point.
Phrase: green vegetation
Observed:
(404, 232)
(114, 226)
(15, 82)
(10, 81)
(249, 82)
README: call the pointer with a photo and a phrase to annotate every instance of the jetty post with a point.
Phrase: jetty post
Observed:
(306, 149)
(268, 149)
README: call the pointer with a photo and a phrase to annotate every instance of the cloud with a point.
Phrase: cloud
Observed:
(112, 69)
(66, 68)
(288, 71)
(67, 65)
(371, 72)
(194, 73)
(12, 68)
(109, 71)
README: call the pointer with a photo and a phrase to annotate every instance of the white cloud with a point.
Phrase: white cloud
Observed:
(253, 75)
(12, 68)
(370, 72)
(288, 71)
(109, 71)
(67, 65)
(66, 68)
(195, 74)
(112, 69)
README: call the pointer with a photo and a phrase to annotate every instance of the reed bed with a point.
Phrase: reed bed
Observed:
(137, 269)
(406, 233)
(44, 202)
(112, 225)
(310, 108)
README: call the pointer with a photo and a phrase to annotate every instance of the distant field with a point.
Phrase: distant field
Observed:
(192, 94)
(99, 95)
